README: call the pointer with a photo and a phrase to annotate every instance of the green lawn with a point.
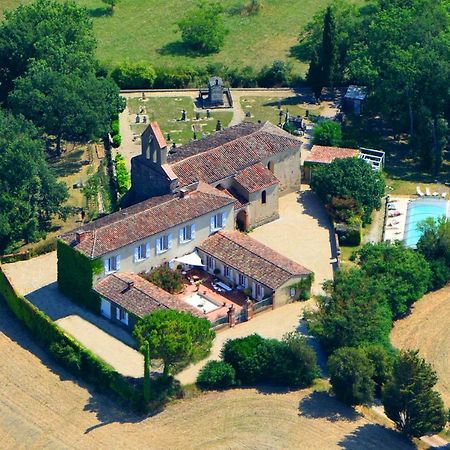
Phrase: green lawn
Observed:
(167, 112)
(146, 29)
(266, 108)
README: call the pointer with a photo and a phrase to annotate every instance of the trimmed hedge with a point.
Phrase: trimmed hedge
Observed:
(75, 276)
(66, 350)
(122, 175)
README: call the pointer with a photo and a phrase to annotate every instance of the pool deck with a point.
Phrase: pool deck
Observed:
(394, 227)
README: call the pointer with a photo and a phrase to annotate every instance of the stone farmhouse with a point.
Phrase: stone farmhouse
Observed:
(187, 205)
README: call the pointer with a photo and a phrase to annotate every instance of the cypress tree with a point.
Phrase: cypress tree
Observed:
(146, 349)
(328, 56)
(314, 76)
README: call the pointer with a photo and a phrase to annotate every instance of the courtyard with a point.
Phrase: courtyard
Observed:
(304, 234)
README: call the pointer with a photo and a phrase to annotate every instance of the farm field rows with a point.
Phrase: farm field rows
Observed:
(147, 30)
(427, 329)
(42, 406)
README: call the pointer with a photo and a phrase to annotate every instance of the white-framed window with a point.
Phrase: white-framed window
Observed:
(292, 292)
(210, 263)
(259, 291)
(218, 221)
(242, 280)
(163, 243)
(142, 252)
(187, 233)
(122, 315)
(112, 264)
(228, 272)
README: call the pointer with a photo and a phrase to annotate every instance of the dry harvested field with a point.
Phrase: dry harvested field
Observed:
(42, 406)
(427, 328)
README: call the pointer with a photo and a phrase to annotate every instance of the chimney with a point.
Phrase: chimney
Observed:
(130, 284)
(80, 236)
(184, 192)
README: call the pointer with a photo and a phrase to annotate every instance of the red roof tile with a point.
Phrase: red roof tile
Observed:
(326, 155)
(234, 149)
(140, 297)
(145, 219)
(158, 134)
(255, 178)
(252, 258)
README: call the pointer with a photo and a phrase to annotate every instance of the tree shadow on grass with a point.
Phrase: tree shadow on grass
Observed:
(376, 437)
(179, 48)
(106, 410)
(320, 405)
(102, 11)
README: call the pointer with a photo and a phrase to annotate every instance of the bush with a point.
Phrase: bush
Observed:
(134, 75)
(217, 375)
(68, 356)
(202, 28)
(351, 374)
(350, 234)
(122, 175)
(165, 278)
(116, 140)
(327, 132)
(382, 360)
(251, 357)
(277, 75)
(296, 364)
(115, 127)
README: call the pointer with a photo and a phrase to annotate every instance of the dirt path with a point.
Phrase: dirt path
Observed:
(427, 329)
(41, 406)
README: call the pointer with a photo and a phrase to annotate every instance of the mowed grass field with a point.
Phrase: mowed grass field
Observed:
(42, 406)
(147, 30)
(427, 329)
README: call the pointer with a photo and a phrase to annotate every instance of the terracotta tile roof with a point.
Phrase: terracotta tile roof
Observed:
(228, 152)
(252, 258)
(326, 155)
(255, 178)
(158, 134)
(142, 297)
(145, 219)
(239, 200)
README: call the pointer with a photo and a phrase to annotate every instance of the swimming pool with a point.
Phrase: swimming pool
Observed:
(419, 210)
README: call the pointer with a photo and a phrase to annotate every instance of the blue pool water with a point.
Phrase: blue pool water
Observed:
(419, 210)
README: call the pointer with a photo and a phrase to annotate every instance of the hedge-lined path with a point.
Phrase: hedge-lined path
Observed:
(42, 406)
(36, 279)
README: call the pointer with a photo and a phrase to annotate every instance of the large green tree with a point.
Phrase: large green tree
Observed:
(354, 312)
(176, 337)
(403, 273)
(434, 245)
(29, 192)
(202, 28)
(327, 132)
(59, 33)
(349, 178)
(409, 399)
(69, 106)
(351, 374)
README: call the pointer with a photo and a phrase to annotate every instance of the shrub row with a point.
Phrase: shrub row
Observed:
(67, 351)
(142, 75)
(254, 359)
(122, 175)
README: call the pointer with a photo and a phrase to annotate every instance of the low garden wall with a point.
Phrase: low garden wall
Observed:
(66, 350)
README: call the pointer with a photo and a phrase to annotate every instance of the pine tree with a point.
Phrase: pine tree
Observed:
(329, 50)
(409, 399)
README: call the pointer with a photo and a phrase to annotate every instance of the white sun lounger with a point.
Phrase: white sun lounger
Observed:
(444, 194)
(419, 191)
(428, 192)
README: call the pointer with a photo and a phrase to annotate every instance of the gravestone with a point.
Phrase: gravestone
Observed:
(197, 116)
(218, 125)
(183, 115)
(208, 113)
(138, 118)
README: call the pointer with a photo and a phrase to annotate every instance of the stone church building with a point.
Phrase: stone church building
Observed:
(251, 163)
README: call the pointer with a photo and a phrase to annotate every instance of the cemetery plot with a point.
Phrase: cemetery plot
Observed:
(178, 118)
(274, 109)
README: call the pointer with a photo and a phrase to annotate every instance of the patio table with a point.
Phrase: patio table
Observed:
(224, 286)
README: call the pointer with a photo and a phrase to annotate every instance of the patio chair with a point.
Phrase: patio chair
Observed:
(444, 194)
(419, 191)
(435, 194)
(428, 192)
